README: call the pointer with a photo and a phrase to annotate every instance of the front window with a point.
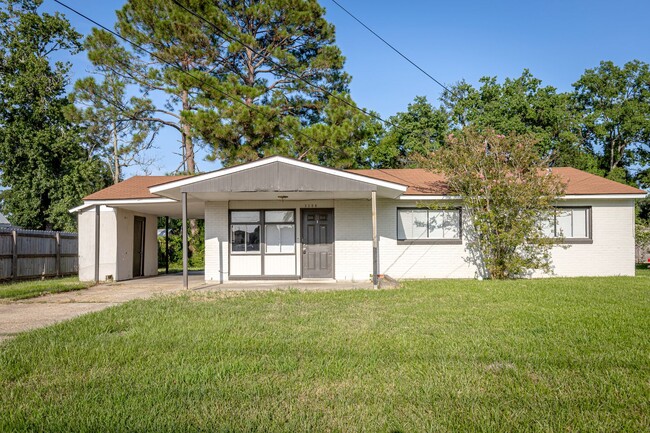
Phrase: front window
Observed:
(280, 231)
(245, 231)
(428, 224)
(275, 228)
(570, 223)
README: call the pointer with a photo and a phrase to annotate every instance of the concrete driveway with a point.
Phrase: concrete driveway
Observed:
(20, 316)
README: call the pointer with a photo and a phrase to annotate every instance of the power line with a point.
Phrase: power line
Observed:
(391, 46)
(286, 70)
(202, 82)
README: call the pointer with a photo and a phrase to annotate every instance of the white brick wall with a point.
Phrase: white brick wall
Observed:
(107, 243)
(612, 251)
(216, 241)
(115, 244)
(416, 261)
(353, 234)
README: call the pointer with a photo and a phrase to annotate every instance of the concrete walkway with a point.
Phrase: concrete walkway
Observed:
(20, 316)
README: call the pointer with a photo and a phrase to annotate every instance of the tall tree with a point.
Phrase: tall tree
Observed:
(522, 105)
(42, 160)
(273, 49)
(615, 106)
(418, 131)
(111, 122)
(507, 195)
(177, 52)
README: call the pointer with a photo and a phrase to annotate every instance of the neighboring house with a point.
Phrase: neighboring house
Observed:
(5, 224)
(279, 218)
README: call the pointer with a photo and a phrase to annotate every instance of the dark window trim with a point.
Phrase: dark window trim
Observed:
(263, 277)
(575, 241)
(429, 241)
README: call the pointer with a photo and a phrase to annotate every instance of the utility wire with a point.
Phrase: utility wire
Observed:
(279, 65)
(202, 82)
(391, 46)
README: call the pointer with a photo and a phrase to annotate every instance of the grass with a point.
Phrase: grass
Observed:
(643, 270)
(550, 355)
(34, 288)
(176, 269)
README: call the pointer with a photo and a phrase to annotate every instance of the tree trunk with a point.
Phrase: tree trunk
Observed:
(190, 164)
(116, 157)
(188, 145)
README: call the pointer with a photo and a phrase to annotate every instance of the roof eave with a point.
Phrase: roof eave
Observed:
(116, 202)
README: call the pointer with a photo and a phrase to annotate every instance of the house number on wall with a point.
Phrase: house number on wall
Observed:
(312, 205)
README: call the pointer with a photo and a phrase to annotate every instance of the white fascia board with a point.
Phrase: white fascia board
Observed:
(89, 203)
(79, 208)
(601, 196)
(429, 197)
(566, 197)
(223, 172)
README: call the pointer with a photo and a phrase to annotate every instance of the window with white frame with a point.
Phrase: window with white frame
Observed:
(280, 231)
(571, 223)
(428, 224)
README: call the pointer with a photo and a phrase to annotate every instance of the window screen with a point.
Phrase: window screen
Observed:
(428, 224)
(572, 223)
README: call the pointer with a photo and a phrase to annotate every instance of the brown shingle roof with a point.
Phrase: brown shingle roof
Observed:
(580, 182)
(132, 188)
(423, 182)
(418, 181)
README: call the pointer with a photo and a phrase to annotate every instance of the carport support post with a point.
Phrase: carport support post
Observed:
(184, 205)
(166, 245)
(97, 232)
(375, 244)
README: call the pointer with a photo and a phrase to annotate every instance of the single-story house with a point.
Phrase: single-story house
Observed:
(280, 218)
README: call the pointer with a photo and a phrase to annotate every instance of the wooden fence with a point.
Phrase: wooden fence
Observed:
(32, 254)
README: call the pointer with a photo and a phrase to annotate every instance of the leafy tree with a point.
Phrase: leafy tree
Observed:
(196, 243)
(273, 49)
(507, 195)
(418, 131)
(343, 139)
(615, 107)
(522, 105)
(111, 122)
(42, 161)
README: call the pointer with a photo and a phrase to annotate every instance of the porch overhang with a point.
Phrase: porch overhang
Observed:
(153, 206)
(278, 178)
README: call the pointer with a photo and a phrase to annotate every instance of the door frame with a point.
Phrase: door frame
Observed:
(142, 245)
(303, 212)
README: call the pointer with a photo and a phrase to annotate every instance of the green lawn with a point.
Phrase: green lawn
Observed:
(33, 288)
(556, 355)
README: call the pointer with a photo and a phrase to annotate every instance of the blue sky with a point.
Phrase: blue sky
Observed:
(452, 40)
